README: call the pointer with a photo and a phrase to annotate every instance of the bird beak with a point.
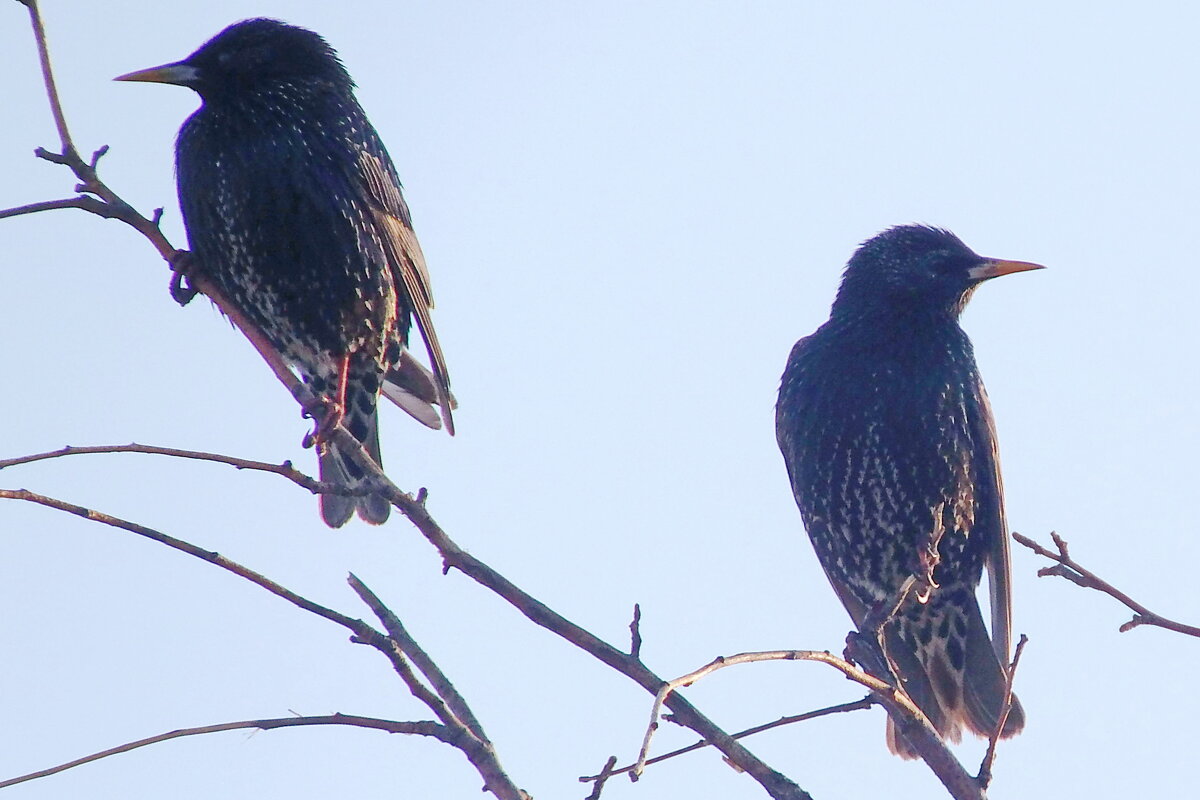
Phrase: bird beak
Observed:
(180, 74)
(994, 269)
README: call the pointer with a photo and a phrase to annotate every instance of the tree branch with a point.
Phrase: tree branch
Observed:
(912, 723)
(606, 772)
(1066, 567)
(776, 784)
(857, 705)
(989, 758)
(458, 708)
(39, 36)
(96, 197)
(479, 752)
(285, 469)
(84, 202)
(448, 704)
(103, 201)
(423, 728)
(454, 557)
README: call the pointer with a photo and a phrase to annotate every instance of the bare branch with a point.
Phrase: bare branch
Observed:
(720, 662)
(356, 626)
(39, 36)
(285, 469)
(776, 784)
(989, 758)
(453, 556)
(97, 198)
(857, 705)
(103, 201)
(606, 772)
(1066, 567)
(457, 705)
(635, 632)
(479, 751)
(423, 728)
(80, 201)
(908, 718)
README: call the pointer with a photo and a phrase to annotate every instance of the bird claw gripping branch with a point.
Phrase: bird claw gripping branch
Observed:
(183, 264)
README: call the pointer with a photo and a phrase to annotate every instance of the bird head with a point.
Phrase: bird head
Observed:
(248, 54)
(916, 269)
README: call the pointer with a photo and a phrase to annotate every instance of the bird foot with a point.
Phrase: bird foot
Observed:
(867, 652)
(332, 417)
(182, 265)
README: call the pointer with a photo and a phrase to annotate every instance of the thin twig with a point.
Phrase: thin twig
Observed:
(908, 718)
(776, 784)
(457, 705)
(1067, 567)
(103, 201)
(841, 708)
(356, 626)
(985, 767)
(454, 557)
(96, 197)
(606, 772)
(479, 753)
(39, 35)
(421, 728)
(285, 469)
(721, 662)
(98, 207)
(635, 632)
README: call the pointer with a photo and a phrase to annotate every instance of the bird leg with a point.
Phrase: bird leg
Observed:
(867, 651)
(335, 407)
(882, 612)
(928, 556)
(919, 583)
(183, 264)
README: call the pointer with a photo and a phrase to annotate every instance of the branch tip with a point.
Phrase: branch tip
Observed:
(1071, 570)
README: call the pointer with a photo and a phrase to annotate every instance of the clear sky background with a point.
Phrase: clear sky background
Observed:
(630, 212)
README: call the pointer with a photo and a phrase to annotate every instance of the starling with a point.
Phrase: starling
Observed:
(888, 437)
(294, 211)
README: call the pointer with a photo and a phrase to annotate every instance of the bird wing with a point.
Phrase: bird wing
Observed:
(799, 413)
(404, 254)
(999, 569)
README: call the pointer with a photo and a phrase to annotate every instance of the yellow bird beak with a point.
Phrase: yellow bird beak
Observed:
(993, 268)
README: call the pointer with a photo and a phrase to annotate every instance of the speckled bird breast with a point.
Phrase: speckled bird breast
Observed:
(885, 443)
(278, 218)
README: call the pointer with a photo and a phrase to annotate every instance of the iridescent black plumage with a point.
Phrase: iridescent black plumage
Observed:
(888, 437)
(294, 210)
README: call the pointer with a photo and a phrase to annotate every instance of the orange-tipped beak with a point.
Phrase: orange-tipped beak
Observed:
(179, 74)
(994, 269)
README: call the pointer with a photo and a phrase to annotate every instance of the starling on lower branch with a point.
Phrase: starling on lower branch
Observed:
(889, 442)
(294, 211)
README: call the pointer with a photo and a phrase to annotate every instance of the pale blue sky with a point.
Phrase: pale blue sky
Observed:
(630, 212)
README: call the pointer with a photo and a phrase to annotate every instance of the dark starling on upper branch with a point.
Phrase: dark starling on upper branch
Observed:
(889, 442)
(294, 211)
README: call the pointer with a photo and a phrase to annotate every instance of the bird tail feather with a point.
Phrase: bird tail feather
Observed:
(412, 387)
(362, 420)
(950, 670)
